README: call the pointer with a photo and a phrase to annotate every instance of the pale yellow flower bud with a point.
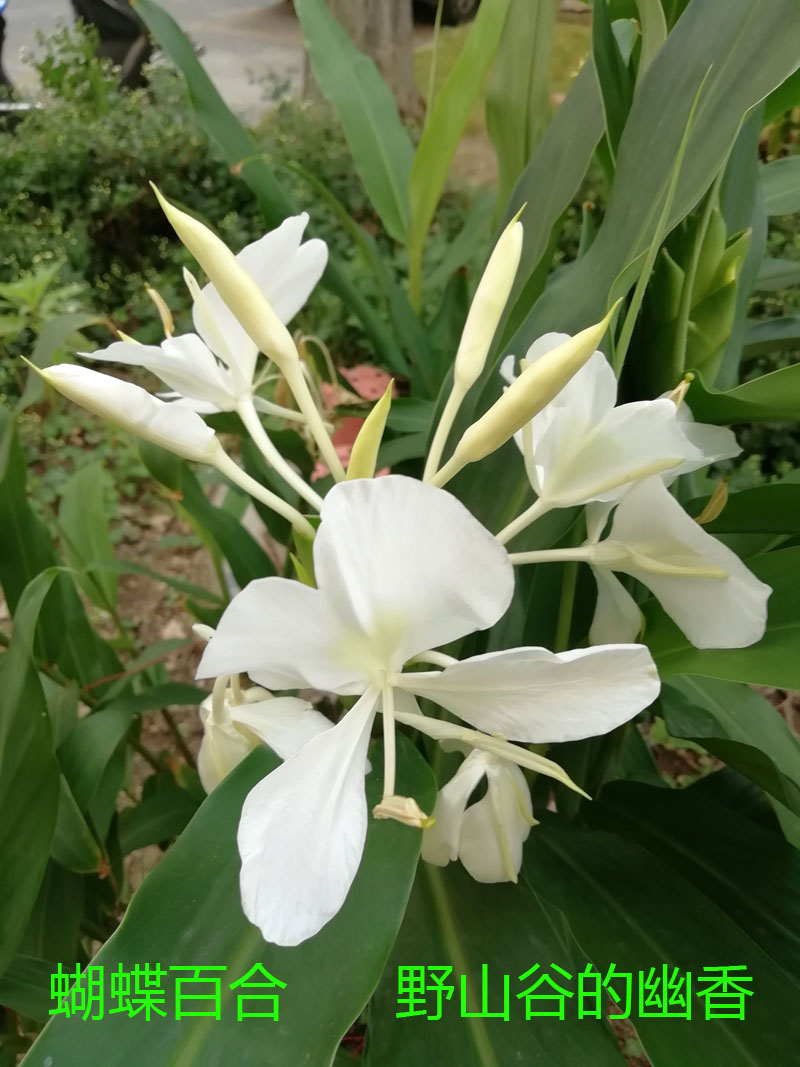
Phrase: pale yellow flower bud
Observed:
(235, 285)
(535, 387)
(364, 457)
(487, 306)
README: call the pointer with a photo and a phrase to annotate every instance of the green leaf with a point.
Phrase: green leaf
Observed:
(454, 921)
(187, 913)
(783, 99)
(25, 987)
(628, 908)
(159, 696)
(29, 780)
(780, 186)
(551, 178)
(83, 524)
(770, 662)
(653, 27)
(164, 812)
(728, 858)
(88, 749)
(739, 727)
(74, 845)
(126, 566)
(777, 274)
(739, 59)
(616, 87)
(772, 335)
(377, 139)
(53, 928)
(765, 509)
(773, 397)
(444, 126)
(518, 109)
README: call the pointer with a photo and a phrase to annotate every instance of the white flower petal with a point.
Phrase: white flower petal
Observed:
(302, 832)
(440, 841)
(495, 829)
(175, 428)
(408, 565)
(223, 747)
(184, 364)
(282, 634)
(285, 270)
(533, 695)
(617, 618)
(713, 612)
(283, 723)
(712, 442)
(630, 442)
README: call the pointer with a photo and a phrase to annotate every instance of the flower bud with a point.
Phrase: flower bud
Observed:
(178, 429)
(487, 306)
(364, 456)
(535, 387)
(235, 285)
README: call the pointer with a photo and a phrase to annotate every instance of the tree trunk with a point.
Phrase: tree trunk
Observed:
(383, 29)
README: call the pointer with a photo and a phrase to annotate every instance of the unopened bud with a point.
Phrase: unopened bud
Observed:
(364, 456)
(487, 306)
(535, 387)
(235, 285)
(178, 429)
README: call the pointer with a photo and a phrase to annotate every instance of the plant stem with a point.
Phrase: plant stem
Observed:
(531, 514)
(442, 431)
(225, 465)
(293, 372)
(252, 423)
(179, 738)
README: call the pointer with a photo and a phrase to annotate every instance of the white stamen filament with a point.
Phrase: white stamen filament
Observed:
(252, 423)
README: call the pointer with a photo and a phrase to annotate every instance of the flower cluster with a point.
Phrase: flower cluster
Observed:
(402, 568)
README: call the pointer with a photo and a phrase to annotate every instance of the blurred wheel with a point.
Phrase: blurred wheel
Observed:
(456, 11)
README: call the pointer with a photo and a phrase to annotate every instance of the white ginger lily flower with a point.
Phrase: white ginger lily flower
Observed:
(486, 836)
(214, 369)
(581, 448)
(401, 567)
(700, 583)
(233, 728)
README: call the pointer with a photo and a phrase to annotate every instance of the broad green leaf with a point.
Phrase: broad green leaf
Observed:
(780, 186)
(126, 566)
(738, 726)
(74, 845)
(29, 779)
(239, 149)
(551, 178)
(518, 109)
(444, 126)
(187, 913)
(613, 75)
(25, 987)
(164, 812)
(453, 921)
(772, 335)
(87, 750)
(777, 274)
(377, 139)
(738, 60)
(784, 98)
(773, 398)
(53, 927)
(85, 536)
(470, 241)
(628, 908)
(55, 334)
(728, 858)
(653, 27)
(770, 662)
(159, 696)
(765, 509)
